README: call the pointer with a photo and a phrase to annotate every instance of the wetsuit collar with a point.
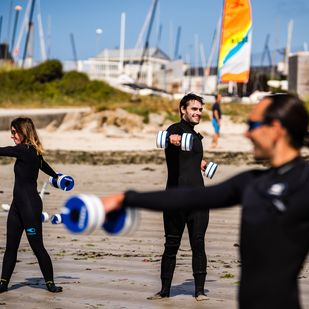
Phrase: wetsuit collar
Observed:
(186, 123)
(281, 170)
(189, 126)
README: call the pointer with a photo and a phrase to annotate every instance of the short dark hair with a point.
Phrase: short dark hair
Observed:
(290, 110)
(187, 98)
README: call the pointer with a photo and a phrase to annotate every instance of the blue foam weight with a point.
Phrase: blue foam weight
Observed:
(56, 219)
(63, 182)
(53, 181)
(44, 217)
(121, 222)
(82, 214)
(115, 221)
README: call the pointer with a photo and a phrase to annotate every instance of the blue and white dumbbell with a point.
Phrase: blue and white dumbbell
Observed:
(44, 216)
(83, 214)
(185, 145)
(211, 169)
(121, 222)
(63, 182)
(56, 219)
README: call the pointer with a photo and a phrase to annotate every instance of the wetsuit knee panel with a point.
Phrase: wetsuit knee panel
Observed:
(172, 239)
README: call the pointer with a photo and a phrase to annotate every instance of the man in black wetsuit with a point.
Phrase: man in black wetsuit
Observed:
(184, 170)
(274, 237)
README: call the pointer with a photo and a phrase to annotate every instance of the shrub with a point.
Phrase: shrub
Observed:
(73, 83)
(47, 71)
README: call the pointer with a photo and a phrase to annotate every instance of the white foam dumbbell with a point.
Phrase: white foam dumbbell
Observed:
(211, 169)
(163, 140)
(186, 141)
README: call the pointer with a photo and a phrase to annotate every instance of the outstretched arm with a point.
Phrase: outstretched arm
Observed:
(45, 167)
(225, 194)
(10, 151)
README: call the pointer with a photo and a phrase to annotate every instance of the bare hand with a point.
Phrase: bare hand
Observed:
(175, 139)
(112, 202)
(203, 165)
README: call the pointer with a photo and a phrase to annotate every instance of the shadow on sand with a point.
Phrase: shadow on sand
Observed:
(37, 282)
(185, 288)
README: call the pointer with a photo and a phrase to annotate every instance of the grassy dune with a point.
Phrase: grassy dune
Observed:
(46, 85)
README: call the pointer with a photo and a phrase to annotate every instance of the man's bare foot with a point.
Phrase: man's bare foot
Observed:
(201, 297)
(159, 295)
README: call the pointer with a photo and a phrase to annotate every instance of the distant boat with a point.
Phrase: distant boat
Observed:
(235, 43)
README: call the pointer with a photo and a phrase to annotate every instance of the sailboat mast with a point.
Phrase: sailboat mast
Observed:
(30, 26)
(220, 44)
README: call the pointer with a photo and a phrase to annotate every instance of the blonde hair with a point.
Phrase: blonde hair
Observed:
(25, 128)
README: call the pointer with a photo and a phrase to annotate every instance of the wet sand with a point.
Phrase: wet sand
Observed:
(100, 271)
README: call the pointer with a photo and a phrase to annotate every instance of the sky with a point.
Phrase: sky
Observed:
(95, 25)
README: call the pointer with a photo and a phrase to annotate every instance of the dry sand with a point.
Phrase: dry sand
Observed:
(100, 271)
(231, 135)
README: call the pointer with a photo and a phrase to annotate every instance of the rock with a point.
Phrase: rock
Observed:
(101, 121)
(150, 128)
(122, 119)
(156, 119)
(71, 121)
(128, 122)
(90, 126)
(52, 126)
(112, 131)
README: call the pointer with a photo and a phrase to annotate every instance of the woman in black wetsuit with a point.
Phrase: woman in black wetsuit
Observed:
(26, 208)
(274, 238)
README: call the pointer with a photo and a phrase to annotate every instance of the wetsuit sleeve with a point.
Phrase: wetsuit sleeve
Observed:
(45, 167)
(10, 151)
(175, 129)
(225, 194)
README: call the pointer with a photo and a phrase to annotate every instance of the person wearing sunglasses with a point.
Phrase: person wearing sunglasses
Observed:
(26, 208)
(274, 230)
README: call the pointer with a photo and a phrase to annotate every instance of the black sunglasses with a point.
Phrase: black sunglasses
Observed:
(252, 125)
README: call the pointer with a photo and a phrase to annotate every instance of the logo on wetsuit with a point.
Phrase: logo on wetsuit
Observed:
(31, 231)
(277, 189)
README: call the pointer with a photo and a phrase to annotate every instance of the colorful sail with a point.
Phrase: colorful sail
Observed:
(235, 46)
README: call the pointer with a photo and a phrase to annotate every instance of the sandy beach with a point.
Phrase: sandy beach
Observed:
(232, 138)
(100, 271)
(118, 272)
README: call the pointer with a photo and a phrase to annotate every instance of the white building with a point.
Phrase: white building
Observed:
(298, 77)
(118, 67)
(158, 71)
